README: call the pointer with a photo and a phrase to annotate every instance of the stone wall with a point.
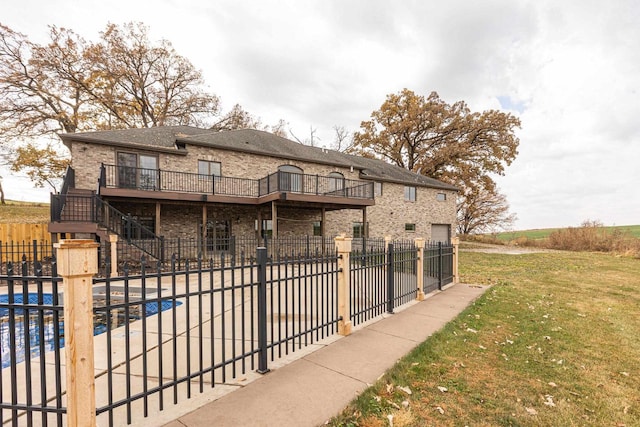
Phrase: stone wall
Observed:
(387, 218)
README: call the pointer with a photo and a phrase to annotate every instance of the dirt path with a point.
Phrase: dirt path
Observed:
(500, 249)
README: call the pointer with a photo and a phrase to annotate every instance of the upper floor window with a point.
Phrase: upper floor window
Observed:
(410, 193)
(290, 179)
(377, 189)
(336, 182)
(206, 167)
(441, 197)
(137, 171)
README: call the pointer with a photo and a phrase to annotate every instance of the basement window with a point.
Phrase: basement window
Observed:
(410, 227)
(441, 197)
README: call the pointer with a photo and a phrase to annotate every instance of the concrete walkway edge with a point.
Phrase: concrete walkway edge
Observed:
(317, 386)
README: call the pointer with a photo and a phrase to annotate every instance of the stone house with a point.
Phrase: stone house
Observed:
(182, 181)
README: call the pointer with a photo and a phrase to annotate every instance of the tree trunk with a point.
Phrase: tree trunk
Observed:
(2, 194)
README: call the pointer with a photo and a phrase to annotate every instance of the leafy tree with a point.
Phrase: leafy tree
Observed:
(239, 118)
(121, 81)
(443, 141)
(42, 166)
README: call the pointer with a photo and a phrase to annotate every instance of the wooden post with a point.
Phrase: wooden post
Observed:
(77, 264)
(455, 241)
(419, 242)
(113, 247)
(343, 247)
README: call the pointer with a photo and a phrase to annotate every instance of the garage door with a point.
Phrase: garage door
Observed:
(441, 233)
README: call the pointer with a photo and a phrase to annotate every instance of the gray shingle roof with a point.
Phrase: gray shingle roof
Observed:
(257, 142)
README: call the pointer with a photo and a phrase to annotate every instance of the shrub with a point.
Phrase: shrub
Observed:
(591, 236)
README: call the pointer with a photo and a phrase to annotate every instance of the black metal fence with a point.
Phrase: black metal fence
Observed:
(32, 254)
(382, 278)
(188, 250)
(438, 265)
(161, 335)
(162, 180)
(31, 339)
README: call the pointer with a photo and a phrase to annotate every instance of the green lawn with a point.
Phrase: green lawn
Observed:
(554, 342)
(542, 233)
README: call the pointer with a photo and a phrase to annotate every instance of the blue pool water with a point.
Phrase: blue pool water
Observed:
(48, 330)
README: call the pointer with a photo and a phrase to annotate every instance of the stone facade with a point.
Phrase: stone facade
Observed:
(391, 215)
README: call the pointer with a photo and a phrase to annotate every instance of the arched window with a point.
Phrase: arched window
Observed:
(336, 183)
(290, 178)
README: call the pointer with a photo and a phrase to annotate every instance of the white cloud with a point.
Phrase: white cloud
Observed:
(570, 70)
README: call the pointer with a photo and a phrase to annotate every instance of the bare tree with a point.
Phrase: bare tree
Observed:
(2, 192)
(312, 141)
(343, 139)
(482, 210)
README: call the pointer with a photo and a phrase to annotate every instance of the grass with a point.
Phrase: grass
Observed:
(24, 212)
(543, 233)
(554, 342)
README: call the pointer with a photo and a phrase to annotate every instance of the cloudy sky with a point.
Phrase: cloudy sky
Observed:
(570, 70)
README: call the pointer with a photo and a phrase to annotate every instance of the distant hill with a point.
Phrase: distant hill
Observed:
(542, 233)
(24, 212)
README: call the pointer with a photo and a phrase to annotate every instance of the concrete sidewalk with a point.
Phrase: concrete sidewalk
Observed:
(314, 388)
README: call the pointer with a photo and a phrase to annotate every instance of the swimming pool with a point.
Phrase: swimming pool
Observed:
(49, 325)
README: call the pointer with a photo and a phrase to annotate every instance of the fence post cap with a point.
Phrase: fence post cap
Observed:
(455, 240)
(419, 242)
(77, 257)
(76, 244)
(343, 244)
(342, 236)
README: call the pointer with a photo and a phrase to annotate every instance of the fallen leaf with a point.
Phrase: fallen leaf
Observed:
(482, 347)
(390, 418)
(552, 384)
(626, 374)
(394, 404)
(442, 389)
(405, 389)
(389, 388)
(439, 409)
(531, 411)
(472, 330)
(549, 400)
(405, 403)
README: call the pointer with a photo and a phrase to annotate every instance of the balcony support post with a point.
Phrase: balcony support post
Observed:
(274, 219)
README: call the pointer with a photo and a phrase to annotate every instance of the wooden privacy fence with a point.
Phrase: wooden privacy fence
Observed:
(29, 240)
(24, 232)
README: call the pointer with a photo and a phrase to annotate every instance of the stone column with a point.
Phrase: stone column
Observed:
(419, 242)
(77, 264)
(343, 247)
